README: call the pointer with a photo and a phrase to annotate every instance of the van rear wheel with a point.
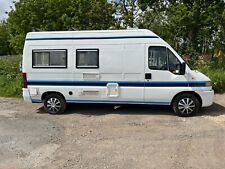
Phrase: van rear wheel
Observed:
(186, 105)
(54, 104)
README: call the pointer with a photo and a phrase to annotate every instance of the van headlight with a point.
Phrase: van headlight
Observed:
(208, 84)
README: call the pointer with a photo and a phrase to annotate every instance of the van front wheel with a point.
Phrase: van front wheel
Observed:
(185, 105)
(54, 104)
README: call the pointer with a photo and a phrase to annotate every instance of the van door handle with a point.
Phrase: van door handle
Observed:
(148, 76)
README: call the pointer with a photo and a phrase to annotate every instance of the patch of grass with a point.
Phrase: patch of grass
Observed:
(10, 76)
(218, 78)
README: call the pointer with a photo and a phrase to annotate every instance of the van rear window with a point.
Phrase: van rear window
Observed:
(49, 58)
(87, 58)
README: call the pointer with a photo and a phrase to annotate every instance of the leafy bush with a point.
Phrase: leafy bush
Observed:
(10, 76)
(215, 70)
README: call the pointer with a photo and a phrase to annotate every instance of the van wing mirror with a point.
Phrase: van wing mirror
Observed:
(182, 68)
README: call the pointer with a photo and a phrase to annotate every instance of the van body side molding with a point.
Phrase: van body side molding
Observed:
(111, 102)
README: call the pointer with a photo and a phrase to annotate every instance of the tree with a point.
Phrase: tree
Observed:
(57, 15)
(127, 12)
(190, 26)
(4, 39)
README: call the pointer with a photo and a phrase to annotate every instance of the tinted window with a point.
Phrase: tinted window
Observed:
(57, 58)
(41, 58)
(174, 63)
(49, 58)
(157, 58)
(87, 58)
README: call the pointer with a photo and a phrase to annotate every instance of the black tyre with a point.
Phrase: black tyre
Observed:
(54, 104)
(186, 105)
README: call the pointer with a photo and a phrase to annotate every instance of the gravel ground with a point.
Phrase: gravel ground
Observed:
(97, 136)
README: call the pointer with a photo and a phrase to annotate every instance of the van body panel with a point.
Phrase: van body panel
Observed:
(206, 96)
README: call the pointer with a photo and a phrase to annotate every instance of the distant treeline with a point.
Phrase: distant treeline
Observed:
(192, 27)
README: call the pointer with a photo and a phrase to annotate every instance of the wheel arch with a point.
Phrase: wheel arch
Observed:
(188, 92)
(45, 94)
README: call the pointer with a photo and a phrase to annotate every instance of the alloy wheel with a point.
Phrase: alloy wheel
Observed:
(53, 104)
(186, 106)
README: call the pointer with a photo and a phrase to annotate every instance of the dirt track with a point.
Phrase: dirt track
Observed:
(94, 136)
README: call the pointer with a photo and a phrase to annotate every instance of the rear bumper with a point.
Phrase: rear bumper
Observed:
(207, 97)
(26, 95)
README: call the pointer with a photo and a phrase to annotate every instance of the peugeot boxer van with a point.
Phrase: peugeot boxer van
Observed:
(110, 66)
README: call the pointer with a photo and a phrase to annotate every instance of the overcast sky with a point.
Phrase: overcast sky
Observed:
(5, 6)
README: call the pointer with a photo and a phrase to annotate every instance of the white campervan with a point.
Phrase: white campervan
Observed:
(112, 66)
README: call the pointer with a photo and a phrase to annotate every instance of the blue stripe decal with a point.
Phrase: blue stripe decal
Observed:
(86, 81)
(121, 83)
(93, 38)
(116, 102)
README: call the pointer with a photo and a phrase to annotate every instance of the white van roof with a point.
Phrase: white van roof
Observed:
(95, 34)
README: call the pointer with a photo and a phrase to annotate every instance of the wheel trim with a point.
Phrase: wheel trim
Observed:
(186, 106)
(53, 104)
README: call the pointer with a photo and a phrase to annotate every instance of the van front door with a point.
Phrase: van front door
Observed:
(162, 75)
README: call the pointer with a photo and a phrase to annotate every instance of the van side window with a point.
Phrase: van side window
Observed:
(87, 58)
(174, 63)
(49, 58)
(157, 58)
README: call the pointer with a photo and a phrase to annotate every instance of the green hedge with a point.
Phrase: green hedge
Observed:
(10, 76)
(218, 78)
(215, 70)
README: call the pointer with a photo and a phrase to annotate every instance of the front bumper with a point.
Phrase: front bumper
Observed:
(207, 97)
